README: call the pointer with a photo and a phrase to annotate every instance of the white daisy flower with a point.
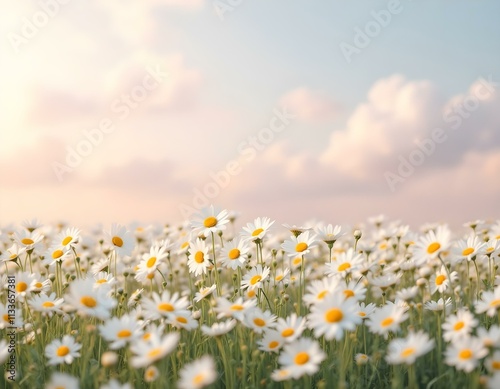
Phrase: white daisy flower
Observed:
(259, 320)
(219, 329)
(317, 290)
(120, 240)
(409, 349)
(120, 331)
(182, 319)
(198, 374)
(257, 230)
(291, 327)
(234, 254)
(459, 325)
(465, 353)
(47, 305)
(235, 309)
(439, 282)
(299, 245)
(439, 305)
(204, 292)
(386, 319)
(255, 278)
(489, 303)
(272, 341)
(63, 350)
(164, 305)
(199, 258)
(89, 301)
(344, 264)
(151, 374)
(151, 261)
(210, 221)
(302, 357)
(493, 363)
(490, 338)
(146, 352)
(333, 315)
(469, 249)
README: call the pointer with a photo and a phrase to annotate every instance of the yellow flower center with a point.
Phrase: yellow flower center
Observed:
(67, 240)
(287, 332)
(489, 250)
(362, 314)
(440, 279)
(21, 286)
(102, 281)
(198, 379)
(257, 231)
(301, 247)
(154, 352)
(344, 266)
(57, 254)
(495, 303)
(181, 319)
(467, 251)
(301, 358)
(146, 336)
(237, 307)
(6, 318)
(387, 322)
(62, 351)
(184, 245)
(117, 241)
(234, 254)
(13, 256)
(166, 307)
(27, 241)
(48, 304)
(124, 334)
(433, 247)
(255, 279)
(334, 315)
(458, 325)
(321, 295)
(210, 222)
(88, 301)
(407, 352)
(495, 365)
(465, 354)
(251, 293)
(273, 344)
(348, 293)
(259, 322)
(38, 285)
(199, 257)
(151, 262)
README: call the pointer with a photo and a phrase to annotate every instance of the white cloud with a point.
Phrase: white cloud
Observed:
(310, 105)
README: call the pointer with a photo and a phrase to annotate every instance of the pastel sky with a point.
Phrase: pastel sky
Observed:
(309, 110)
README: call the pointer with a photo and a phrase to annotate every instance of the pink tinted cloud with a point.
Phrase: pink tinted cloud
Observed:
(310, 105)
